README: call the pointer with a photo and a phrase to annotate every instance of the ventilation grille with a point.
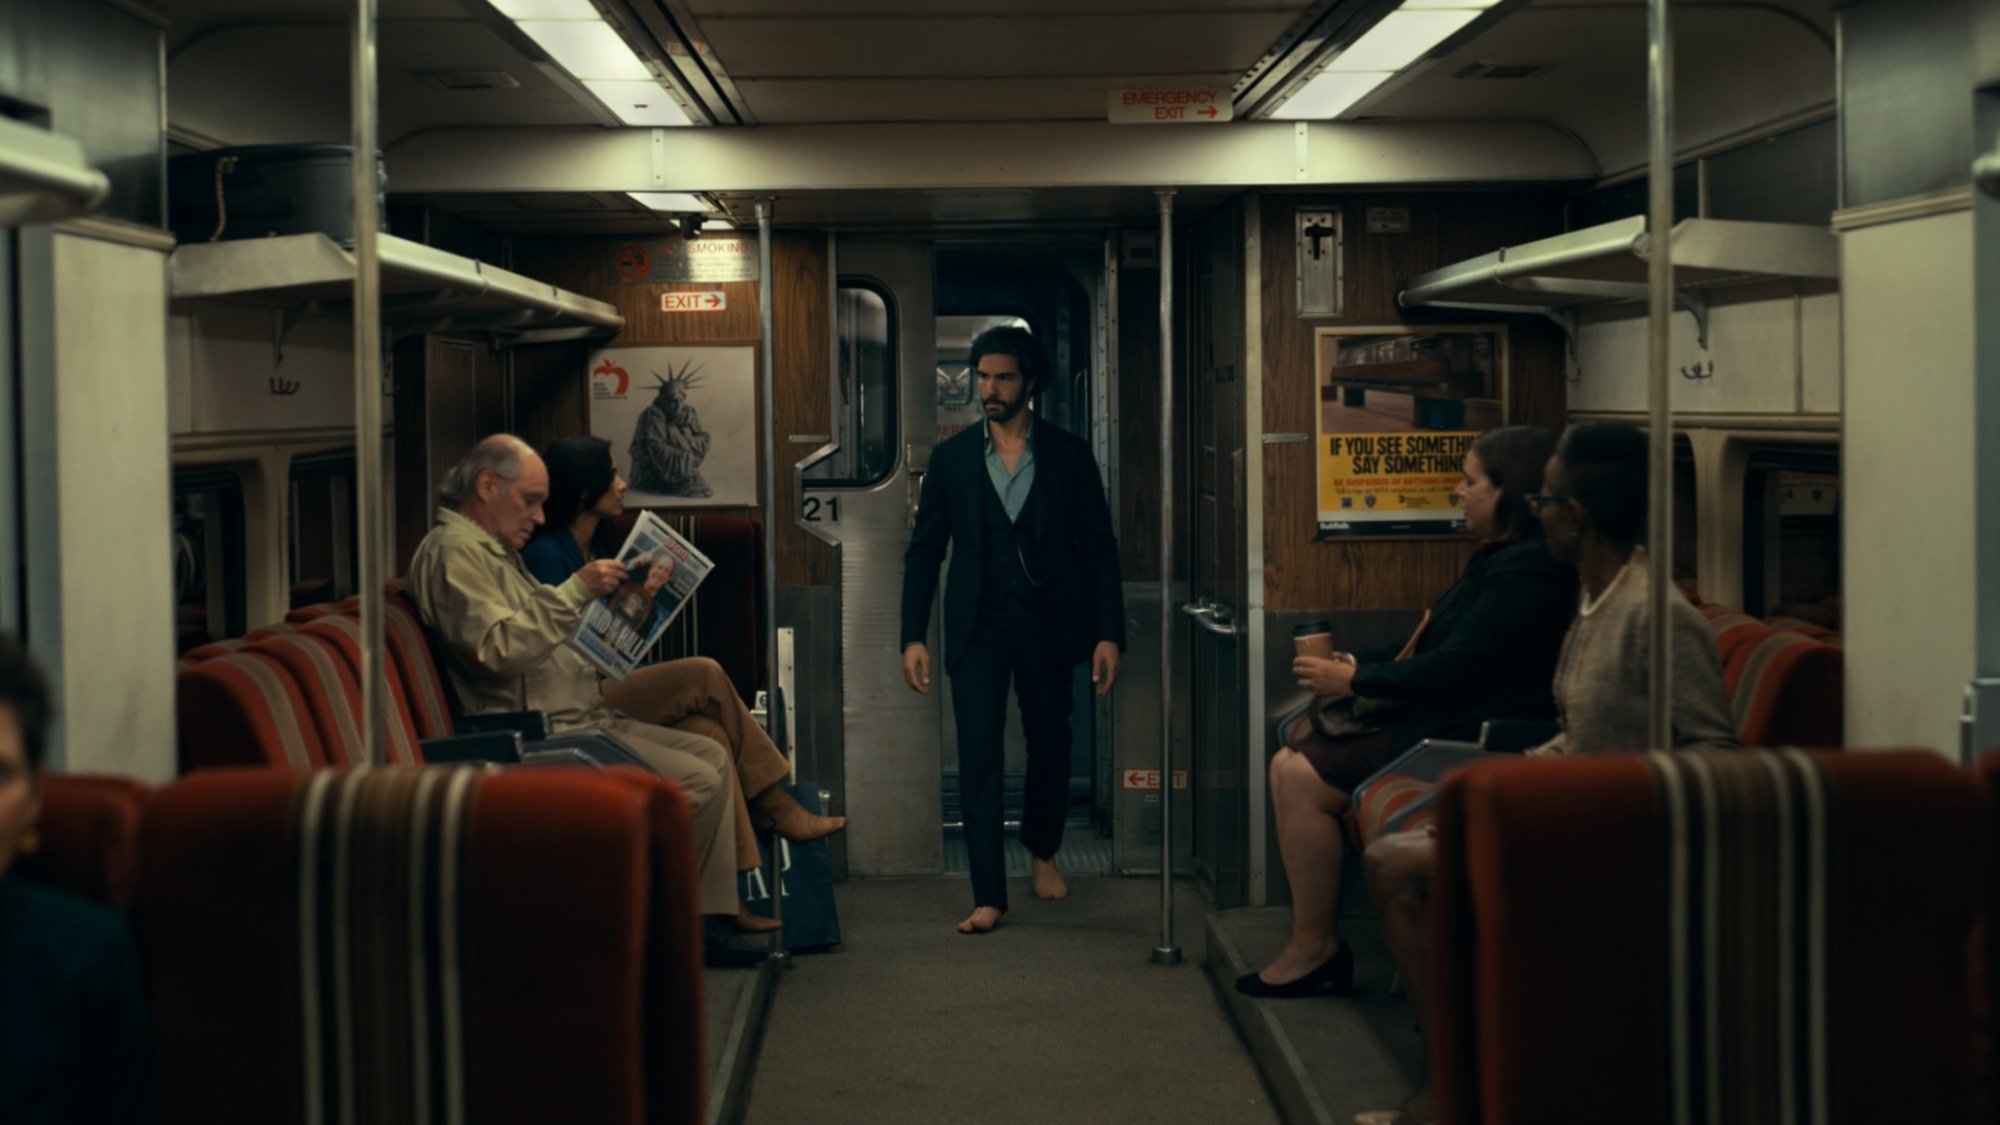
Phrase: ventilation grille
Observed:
(466, 79)
(1503, 70)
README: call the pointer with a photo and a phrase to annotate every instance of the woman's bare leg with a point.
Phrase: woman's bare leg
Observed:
(1309, 838)
(1398, 868)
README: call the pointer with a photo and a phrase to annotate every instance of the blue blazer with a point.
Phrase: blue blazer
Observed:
(1070, 540)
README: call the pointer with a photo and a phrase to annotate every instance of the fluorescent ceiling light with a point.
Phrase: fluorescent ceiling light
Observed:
(1400, 39)
(546, 9)
(639, 103)
(1428, 5)
(1329, 94)
(681, 202)
(717, 224)
(588, 49)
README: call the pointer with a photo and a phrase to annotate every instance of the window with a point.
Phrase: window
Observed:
(864, 389)
(1687, 525)
(1791, 540)
(208, 555)
(957, 389)
(321, 550)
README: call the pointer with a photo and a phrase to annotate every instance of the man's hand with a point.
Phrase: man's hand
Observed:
(602, 576)
(917, 669)
(1104, 666)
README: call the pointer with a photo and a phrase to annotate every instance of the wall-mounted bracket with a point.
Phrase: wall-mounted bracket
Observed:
(1696, 303)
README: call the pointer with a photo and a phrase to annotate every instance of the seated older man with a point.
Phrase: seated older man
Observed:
(504, 637)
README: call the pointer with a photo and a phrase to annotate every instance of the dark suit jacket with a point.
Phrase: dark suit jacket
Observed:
(1489, 652)
(1070, 547)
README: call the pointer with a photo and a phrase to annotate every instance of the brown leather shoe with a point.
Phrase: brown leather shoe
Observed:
(749, 923)
(790, 819)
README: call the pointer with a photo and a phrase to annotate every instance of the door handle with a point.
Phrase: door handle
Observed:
(1210, 617)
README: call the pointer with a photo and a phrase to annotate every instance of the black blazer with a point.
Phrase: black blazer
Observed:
(1070, 543)
(1489, 652)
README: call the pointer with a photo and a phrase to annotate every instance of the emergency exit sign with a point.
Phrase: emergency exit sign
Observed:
(708, 300)
(1149, 779)
(1178, 105)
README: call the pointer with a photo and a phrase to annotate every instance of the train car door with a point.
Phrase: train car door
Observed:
(1216, 526)
(891, 735)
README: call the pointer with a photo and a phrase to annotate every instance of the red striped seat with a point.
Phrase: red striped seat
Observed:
(342, 634)
(328, 685)
(1755, 936)
(244, 709)
(89, 828)
(446, 944)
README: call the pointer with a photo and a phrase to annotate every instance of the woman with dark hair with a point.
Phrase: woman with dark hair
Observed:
(74, 1041)
(1485, 650)
(586, 497)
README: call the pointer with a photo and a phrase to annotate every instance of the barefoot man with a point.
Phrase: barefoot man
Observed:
(1034, 591)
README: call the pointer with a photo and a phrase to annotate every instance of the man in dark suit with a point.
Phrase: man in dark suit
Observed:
(1034, 592)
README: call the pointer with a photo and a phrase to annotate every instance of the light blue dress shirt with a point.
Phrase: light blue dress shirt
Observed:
(1013, 487)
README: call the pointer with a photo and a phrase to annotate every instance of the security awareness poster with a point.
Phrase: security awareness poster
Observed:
(1396, 410)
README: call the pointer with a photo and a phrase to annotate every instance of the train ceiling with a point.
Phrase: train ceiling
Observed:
(255, 72)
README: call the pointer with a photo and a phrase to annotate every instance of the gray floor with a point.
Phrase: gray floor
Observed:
(1330, 1057)
(1056, 1016)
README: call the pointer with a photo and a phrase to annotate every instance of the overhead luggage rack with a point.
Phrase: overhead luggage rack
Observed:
(43, 176)
(1608, 263)
(424, 289)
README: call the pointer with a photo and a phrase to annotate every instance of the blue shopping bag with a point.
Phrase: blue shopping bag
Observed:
(811, 922)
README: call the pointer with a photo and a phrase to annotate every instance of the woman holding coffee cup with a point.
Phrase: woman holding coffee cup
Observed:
(1484, 650)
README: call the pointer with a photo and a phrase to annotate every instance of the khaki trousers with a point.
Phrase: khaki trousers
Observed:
(702, 769)
(695, 695)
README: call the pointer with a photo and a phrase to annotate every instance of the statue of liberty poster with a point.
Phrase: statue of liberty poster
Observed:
(682, 422)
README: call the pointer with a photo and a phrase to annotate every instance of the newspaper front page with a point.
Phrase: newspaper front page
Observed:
(618, 629)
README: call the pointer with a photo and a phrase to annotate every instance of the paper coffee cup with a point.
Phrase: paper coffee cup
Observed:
(1314, 638)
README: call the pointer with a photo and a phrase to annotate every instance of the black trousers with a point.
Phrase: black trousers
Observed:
(1010, 643)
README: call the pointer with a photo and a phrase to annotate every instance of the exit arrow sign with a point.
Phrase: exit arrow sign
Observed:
(708, 300)
(1171, 105)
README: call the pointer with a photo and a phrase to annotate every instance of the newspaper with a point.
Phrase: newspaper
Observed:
(617, 630)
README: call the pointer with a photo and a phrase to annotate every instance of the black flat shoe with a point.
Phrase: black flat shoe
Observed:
(1334, 976)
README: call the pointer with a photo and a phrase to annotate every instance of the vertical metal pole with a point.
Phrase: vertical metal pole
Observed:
(368, 379)
(1659, 388)
(1167, 953)
(775, 703)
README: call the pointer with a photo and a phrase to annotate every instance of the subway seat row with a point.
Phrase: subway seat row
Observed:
(1783, 679)
(438, 944)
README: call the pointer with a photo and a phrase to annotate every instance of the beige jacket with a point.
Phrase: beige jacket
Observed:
(503, 632)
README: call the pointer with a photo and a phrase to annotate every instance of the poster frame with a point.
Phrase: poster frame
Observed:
(1324, 337)
(621, 443)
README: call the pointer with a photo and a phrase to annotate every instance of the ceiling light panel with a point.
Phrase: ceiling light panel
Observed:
(678, 201)
(1434, 5)
(639, 103)
(1329, 94)
(588, 49)
(546, 9)
(1402, 38)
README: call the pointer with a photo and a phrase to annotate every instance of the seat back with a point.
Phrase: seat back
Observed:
(244, 709)
(342, 634)
(422, 945)
(432, 706)
(328, 685)
(1985, 960)
(1737, 935)
(1785, 689)
(89, 828)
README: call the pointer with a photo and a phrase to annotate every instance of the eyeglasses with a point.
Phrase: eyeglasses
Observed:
(1540, 500)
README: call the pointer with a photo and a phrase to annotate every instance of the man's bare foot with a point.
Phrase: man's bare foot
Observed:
(1049, 881)
(984, 919)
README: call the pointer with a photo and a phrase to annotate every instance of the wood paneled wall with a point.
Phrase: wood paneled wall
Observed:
(1302, 572)
(551, 385)
(1138, 434)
